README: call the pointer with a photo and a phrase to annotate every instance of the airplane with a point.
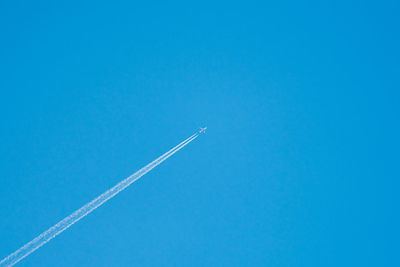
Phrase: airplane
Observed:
(202, 130)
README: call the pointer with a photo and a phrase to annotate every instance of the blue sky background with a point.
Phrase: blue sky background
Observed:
(299, 166)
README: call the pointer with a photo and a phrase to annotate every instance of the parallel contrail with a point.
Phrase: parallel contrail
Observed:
(64, 224)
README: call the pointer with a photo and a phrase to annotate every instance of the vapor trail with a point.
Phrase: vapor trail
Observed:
(64, 224)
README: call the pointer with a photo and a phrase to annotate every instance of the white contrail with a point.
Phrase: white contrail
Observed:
(64, 224)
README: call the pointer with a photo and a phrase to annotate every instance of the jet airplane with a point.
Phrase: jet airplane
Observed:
(202, 130)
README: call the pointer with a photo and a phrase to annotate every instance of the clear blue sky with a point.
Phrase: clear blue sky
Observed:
(300, 164)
